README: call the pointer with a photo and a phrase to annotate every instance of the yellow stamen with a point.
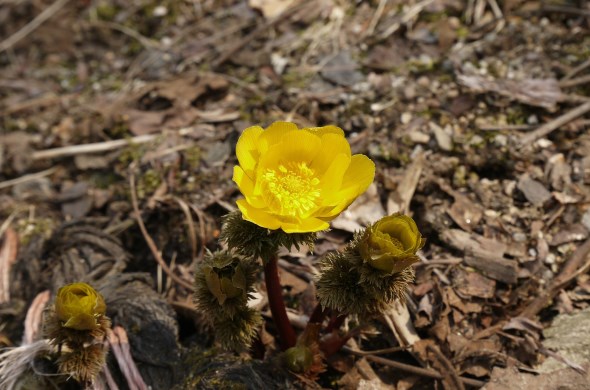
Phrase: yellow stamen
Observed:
(292, 189)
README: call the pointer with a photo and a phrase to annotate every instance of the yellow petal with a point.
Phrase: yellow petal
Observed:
(331, 181)
(296, 147)
(360, 173)
(332, 146)
(274, 134)
(257, 216)
(305, 226)
(320, 131)
(246, 187)
(247, 149)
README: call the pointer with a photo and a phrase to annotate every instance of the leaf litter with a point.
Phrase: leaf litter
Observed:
(476, 115)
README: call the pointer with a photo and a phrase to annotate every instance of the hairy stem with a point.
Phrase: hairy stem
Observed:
(287, 335)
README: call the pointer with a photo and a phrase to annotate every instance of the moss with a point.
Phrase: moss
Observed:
(148, 183)
(28, 229)
(106, 11)
(130, 154)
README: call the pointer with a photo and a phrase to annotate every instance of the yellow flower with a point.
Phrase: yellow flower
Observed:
(390, 244)
(78, 305)
(298, 180)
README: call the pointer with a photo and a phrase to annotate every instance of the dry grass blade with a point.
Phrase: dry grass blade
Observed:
(150, 241)
(34, 317)
(14, 362)
(26, 178)
(8, 252)
(119, 344)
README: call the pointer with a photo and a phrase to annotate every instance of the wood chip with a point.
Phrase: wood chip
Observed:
(534, 191)
(483, 254)
(535, 92)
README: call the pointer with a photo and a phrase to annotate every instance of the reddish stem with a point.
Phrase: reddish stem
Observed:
(335, 322)
(318, 314)
(274, 290)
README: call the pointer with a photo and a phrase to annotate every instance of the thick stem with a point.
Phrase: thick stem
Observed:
(274, 290)
(335, 322)
(318, 314)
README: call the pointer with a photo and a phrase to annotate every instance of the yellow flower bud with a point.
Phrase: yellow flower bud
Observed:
(78, 306)
(390, 245)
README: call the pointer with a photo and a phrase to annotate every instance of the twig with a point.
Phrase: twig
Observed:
(405, 18)
(146, 42)
(577, 70)
(150, 241)
(32, 25)
(427, 372)
(574, 82)
(505, 127)
(42, 101)
(568, 272)
(248, 38)
(564, 10)
(26, 178)
(448, 367)
(375, 20)
(554, 124)
(374, 352)
(98, 147)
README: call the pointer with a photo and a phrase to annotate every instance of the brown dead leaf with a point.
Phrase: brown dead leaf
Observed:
(458, 303)
(473, 284)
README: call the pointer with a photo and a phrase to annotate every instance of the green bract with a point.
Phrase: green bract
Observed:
(390, 245)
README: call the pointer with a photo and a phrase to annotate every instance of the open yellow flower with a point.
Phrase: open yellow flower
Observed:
(78, 306)
(298, 180)
(390, 244)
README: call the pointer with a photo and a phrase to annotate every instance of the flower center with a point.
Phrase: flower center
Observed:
(292, 189)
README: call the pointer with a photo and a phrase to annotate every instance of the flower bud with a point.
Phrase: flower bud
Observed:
(225, 277)
(78, 306)
(298, 359)
(390, 244)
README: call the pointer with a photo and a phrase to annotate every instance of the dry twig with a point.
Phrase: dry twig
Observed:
(427, 372)
(32, 25)
(554, 124)
(567, 274)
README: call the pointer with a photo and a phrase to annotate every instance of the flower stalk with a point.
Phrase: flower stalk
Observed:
(277, 304)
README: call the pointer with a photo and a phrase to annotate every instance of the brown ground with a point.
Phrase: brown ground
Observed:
(475, 112)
